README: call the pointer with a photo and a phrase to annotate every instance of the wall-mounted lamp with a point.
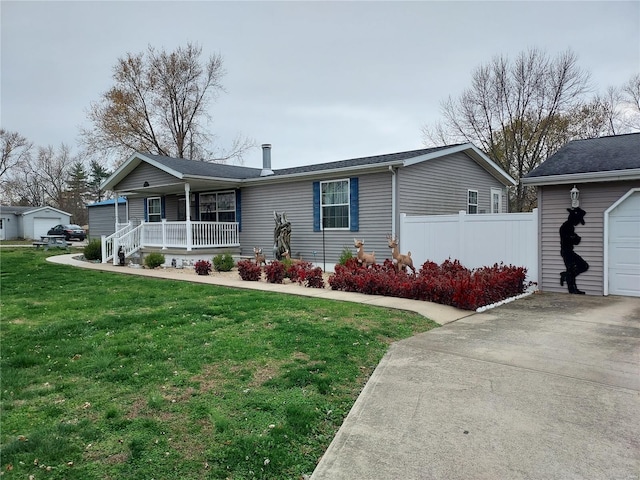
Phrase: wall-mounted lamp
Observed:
(146, 184)
(575, 197)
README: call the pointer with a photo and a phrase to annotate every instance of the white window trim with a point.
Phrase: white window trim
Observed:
(469, 204)
(348, 204)
(159, 214)
(216, 210)
(496, 191)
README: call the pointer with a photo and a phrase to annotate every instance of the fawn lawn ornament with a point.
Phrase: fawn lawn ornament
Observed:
(573, 262)
(260, 258)
(287, 256)
(402, 261)
(364, 259)
(281, 235)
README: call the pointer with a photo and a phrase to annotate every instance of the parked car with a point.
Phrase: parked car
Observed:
(69, 231)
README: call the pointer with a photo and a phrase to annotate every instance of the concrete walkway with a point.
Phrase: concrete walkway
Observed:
(545, 387)
(441, 314)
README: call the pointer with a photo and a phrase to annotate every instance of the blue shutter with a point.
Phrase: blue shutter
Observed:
(196, 207)
(146, 211)
(162, 208)
(316, 206)
(239, 209)
(354, 204)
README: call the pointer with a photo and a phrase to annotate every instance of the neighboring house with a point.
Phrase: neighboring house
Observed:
(606, 172)
(102, 217)
(190, 205)
(29, 222)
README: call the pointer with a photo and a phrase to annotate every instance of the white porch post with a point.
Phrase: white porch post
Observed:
(117, 220)
(116, 239)
(187, 204)
(164, 234)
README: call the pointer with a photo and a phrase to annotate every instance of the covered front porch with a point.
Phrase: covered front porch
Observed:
(180, 235)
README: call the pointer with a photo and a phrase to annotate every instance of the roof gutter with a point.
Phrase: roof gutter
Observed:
(589, 177)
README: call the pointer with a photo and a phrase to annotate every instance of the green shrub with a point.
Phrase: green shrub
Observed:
(154, 260)
(223, 262)
(93, 250)
(345, 255)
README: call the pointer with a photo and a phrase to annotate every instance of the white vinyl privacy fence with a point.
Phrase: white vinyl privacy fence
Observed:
(475, 240)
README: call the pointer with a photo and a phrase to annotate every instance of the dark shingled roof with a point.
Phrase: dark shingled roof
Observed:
(15, 210)
(358, 162)
(220, 170)
(205, 169)
(605, 154)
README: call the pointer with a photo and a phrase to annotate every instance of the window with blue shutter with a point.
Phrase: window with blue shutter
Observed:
(239, 210)
(316, 206)
(354, 205)
(153, 209)
(336, 205)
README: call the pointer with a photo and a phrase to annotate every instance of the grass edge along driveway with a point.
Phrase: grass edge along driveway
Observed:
(114, 376)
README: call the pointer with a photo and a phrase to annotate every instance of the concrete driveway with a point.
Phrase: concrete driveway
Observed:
(546, 387)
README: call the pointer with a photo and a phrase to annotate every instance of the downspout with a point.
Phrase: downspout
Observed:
(394, 199)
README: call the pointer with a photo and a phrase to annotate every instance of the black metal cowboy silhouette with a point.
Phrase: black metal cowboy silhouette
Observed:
(573, 262)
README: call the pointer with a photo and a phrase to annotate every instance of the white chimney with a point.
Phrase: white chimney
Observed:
(266, 160)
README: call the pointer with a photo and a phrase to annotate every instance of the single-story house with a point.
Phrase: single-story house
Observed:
(102, 217)
(606, 175)
(29, 222)
(189, 206)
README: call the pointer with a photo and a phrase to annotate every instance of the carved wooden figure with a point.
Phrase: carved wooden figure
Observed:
(365, 259)
(260, 258)
(402, 261)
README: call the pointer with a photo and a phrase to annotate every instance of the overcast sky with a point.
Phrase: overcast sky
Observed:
(320, 81)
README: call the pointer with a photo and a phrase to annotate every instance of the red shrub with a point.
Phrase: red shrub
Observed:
(450, 283)
(275, 272)
(248, 270)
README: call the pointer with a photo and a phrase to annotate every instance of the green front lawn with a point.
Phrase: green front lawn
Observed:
(108, 376)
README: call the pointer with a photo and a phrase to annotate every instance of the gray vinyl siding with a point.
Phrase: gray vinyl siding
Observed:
(10, 226)
(171, 208)
(102, 219)
(136, 210)
(553, 202)
(296, 199)
(440, 186)
(145, 173)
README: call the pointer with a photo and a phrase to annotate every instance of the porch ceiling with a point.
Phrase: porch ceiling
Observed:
(177, 188)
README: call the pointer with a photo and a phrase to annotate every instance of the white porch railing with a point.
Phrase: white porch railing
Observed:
(108, 247)
(171, 235)
(203, 235)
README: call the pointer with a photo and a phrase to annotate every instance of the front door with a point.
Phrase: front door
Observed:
(1, 228)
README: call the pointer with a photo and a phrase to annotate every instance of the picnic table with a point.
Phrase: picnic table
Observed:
(48, 241)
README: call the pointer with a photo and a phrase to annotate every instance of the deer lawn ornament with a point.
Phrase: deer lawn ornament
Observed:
(365, 259)
(402, 261)
(260, 258)
(287, 256)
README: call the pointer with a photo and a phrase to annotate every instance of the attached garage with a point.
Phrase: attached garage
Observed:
(605, 173)
(622, 246)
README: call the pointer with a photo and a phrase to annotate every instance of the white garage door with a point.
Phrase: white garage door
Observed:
(624, 247)
(42, 225)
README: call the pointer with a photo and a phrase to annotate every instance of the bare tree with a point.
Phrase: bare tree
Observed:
(16, 150)
(630, 100)
(159, 105)
(41, 179)
(516, 111)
